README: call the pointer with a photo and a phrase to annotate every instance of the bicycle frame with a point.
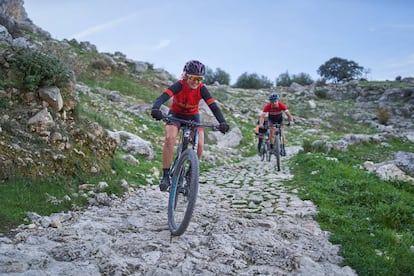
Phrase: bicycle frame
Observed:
(184, 173)
(278, 132)
(189, 135)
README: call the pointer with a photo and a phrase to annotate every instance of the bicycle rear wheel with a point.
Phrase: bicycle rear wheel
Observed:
(262, 151)
(183, 192)
(268, 151)
(277, 151)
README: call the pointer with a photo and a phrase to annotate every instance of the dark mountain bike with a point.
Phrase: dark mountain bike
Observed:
(264, 150)
(184, 174)
(277, 144)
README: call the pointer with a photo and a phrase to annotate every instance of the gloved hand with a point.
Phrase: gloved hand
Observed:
(156, 114)
(223, 127)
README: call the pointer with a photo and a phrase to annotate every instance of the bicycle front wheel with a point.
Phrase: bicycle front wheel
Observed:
(183, 192)
(277, 151)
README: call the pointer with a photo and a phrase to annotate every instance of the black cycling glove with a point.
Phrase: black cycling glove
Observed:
(156, 114)
(223, 127)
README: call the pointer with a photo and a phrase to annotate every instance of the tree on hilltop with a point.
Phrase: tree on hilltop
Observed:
(252, 81)
(219, 76)
(286, 80)
(340, 70)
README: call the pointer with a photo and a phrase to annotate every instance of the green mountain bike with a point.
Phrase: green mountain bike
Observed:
(184, 174)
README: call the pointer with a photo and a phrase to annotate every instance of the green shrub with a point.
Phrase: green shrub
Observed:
(321, 93)
(34, 69)
(302, 79)
(219, 76)
(5, 83)
(383, 116)
(253, 81)
(307, 145)
(4, 103)
(408, 92)
(284, 80)
(320, 82)
(314, 146)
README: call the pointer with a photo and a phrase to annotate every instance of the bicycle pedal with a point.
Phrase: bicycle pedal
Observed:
(164, 189)
(181, 190)
(165, 185)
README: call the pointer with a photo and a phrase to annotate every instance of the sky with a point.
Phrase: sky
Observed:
(265, 37)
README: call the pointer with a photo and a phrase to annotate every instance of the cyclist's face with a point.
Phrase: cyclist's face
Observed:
(193, 81)
(274, 103)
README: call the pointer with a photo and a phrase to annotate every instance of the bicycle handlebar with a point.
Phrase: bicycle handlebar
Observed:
(190, 123)
(270, 125)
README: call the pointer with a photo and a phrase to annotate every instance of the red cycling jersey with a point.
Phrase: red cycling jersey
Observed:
(185, 100)
(276, 112)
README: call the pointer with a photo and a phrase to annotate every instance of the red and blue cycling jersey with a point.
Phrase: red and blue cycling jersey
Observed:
(185, 100)
(275, 111)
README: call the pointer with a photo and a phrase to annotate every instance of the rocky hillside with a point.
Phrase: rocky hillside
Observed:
(81, 121)
(42, 133)
(66, 109)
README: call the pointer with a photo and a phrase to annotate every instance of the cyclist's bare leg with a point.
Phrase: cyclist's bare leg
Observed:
(272, 135)
(171, 132)
(200, 147)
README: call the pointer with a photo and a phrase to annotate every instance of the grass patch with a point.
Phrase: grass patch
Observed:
(372, 219)
(127, 86)
(385, 84)
(89, 114)
(21, 195)
(18, 196)
(132, 172)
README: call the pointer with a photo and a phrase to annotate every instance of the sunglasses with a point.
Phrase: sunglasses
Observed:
(195, 78)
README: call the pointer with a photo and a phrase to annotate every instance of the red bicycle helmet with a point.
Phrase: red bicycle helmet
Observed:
(194, 67)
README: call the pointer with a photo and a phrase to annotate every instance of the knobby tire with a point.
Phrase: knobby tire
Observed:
(277, 151)
(181, 206)
(268, 151)
(262, 151)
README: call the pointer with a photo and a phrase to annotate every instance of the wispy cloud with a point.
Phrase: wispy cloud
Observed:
(162, 44)
(102, 27)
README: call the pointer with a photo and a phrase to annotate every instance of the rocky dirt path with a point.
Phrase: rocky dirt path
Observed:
(245, 223)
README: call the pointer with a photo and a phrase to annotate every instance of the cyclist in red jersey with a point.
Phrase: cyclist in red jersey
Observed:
(274, 110)
(186, 95)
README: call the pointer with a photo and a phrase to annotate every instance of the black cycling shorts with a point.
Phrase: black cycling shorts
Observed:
(277, 121)
(194, 117)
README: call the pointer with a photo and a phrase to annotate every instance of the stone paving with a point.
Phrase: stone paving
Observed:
(246, 222)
